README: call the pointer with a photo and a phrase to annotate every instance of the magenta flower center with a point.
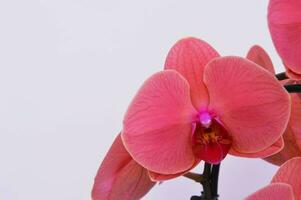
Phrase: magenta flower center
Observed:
(205, 119)
(211, 141)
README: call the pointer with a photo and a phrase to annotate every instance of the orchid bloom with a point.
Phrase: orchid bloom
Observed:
(284, 19)
(202, 107)
(285, 185)
(292, 135)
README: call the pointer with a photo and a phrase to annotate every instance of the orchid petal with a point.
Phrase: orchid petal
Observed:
(189, 57)
(163, 177)
(291, 74)
(284, 19)
(289, 173)
(271, 150)
(158, 124)
(296, 118)
(289, 151)
(120, 177)
(259, 56)
(274, 191)
(251, 103)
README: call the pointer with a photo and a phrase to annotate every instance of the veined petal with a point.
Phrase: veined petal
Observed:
(295, 119)
(292, 135)
(274, 191)
(163, 177)
(292, 139)
(189, 56)
(259, 56)
(271, 150)
(289, 173)
(120, 177)
(251, 103)
(289, 151)
(158, 126)
(284, 19)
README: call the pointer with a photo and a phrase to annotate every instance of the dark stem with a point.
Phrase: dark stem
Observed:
(281, 76)
(296, 88)
(209, 181)
(207, 194)
(214, 178)
(199, 178)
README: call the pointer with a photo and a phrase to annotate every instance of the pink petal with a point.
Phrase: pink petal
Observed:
(250, 102)
(274, 191)
(295, 119)
(289, 173)
(163, 177)
(289, 151)
(259, 56)
(189, 56)
(291, 74)
(158, 124)
(120, 177)
(284, 19)
(292, 136)
(273, 149)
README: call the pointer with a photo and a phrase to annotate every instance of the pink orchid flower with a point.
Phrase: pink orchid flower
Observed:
(285, 185)
(292, 135)
(174, 120)
(120, 177)
(202, 107)
(284, 19)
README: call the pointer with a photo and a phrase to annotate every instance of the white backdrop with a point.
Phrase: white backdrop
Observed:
(68, 70)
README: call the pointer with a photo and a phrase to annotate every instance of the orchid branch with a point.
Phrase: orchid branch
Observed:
(214, 184)
(199, 178)
(209, 181)
(295, 88)
(281, 76)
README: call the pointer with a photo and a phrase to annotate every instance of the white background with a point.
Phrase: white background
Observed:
(68, 70)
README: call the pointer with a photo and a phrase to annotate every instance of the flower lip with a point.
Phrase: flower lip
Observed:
(211, 141)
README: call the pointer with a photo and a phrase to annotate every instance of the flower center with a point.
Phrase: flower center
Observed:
(205, 119)
(211, 141)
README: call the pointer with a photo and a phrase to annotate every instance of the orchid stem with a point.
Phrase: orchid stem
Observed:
(281, 76)
(209, 181)
(199, 178)
(207, 194)
(295, 88)
(214, 177)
